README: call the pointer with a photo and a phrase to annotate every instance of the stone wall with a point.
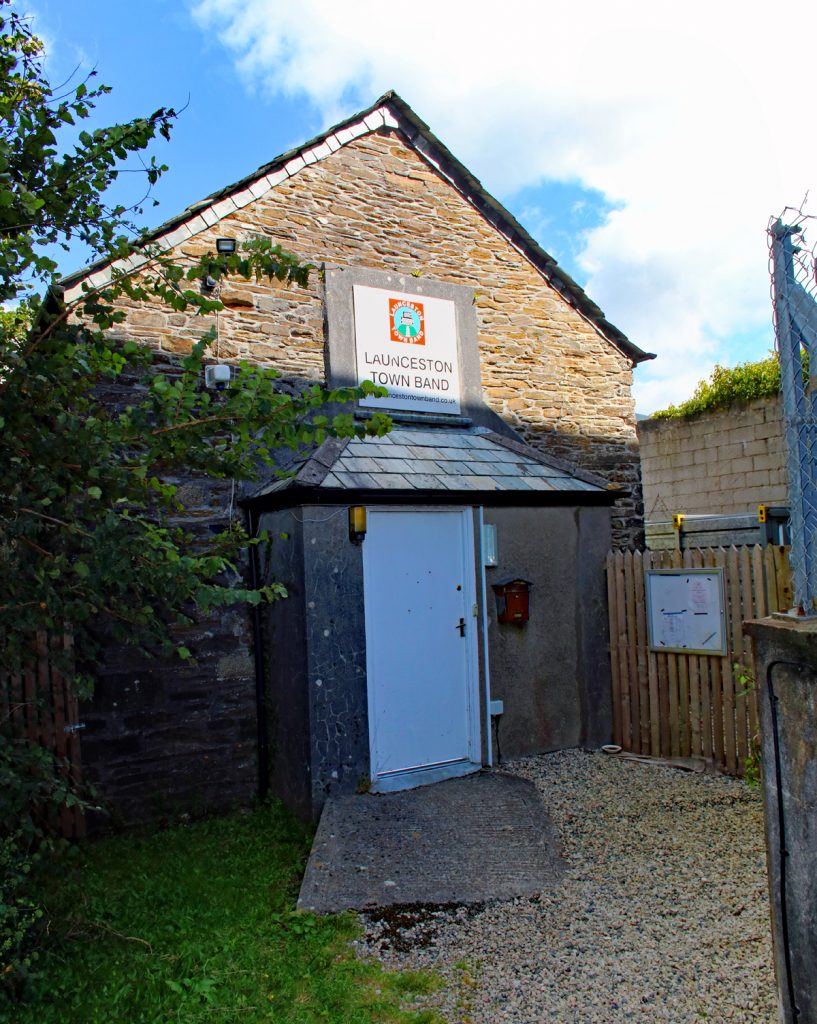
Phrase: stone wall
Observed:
(162, 736)
(718, 463)
(376, 203)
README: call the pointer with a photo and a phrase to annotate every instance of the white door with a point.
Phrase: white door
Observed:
(421, 646)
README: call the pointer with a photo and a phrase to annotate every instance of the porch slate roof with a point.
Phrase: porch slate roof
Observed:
(417, 459)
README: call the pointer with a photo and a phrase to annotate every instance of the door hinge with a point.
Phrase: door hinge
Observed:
(475, 611)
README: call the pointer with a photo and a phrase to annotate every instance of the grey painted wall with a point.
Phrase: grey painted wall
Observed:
(336, 653)
(316, 658)
(552, 672)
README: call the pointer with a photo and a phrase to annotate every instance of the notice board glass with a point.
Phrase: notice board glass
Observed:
(686, 610)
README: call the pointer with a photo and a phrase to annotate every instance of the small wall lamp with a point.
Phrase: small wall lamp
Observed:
(357, 524)
(225, 245)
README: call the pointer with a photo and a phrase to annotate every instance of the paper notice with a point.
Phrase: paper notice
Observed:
(699, 589)
(673, 630)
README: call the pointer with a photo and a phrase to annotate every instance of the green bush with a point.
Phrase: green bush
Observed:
(729, 385)
(32, 790)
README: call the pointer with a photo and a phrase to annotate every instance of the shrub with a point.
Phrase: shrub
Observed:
(32, 792)
(728, 385)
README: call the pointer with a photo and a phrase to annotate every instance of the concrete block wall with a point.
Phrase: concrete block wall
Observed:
(718, 463)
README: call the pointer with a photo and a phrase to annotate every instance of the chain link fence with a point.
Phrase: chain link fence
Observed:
(794, 299)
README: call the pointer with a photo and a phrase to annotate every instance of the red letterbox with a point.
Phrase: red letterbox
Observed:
(512, 600)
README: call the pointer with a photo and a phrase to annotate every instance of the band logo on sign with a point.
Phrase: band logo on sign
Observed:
(407, 321)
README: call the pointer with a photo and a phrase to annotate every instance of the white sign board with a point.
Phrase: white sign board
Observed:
(685, 610)
(407, 344)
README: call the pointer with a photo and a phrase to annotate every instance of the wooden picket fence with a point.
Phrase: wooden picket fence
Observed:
(39, 705)
(686, 705)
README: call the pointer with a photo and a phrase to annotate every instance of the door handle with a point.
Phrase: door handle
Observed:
(461, 627)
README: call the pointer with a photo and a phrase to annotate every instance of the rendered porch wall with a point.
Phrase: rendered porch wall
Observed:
(552, 672)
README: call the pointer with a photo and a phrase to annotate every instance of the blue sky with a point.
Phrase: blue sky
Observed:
(643, 152)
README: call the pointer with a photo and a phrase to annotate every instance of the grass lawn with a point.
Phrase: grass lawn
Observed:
(197, 924)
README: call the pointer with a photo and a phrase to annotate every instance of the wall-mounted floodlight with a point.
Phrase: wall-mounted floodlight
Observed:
(225, 245)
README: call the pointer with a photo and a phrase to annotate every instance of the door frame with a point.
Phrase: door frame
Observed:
(417, 776)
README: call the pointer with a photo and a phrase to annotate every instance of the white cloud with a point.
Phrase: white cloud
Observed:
(693, 119)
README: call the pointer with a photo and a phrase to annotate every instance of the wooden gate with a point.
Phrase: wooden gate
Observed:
(39, 705)
(686, 705)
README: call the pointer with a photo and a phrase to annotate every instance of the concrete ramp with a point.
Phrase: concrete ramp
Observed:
(483, 837)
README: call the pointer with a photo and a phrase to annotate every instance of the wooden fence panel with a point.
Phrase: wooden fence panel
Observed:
(687, 705)
(615, 669)
(728, 695)
(39, 705)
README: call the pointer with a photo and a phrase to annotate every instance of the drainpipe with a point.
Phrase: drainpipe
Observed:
(260, 678)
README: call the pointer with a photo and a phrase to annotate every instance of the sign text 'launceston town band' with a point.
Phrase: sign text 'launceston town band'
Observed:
(386, 323)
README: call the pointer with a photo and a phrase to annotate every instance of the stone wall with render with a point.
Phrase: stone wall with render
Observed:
(376, 203)
(719, 463)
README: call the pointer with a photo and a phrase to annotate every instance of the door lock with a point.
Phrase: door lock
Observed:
(461, 627)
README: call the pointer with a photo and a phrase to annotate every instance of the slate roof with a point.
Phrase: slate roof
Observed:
(429, 147)
(458, 461)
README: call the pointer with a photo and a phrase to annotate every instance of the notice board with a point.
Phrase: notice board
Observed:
(686, 610)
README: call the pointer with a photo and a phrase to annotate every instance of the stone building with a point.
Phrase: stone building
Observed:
(520, 418)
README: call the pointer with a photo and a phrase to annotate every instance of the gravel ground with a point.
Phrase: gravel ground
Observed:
(662, 915)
